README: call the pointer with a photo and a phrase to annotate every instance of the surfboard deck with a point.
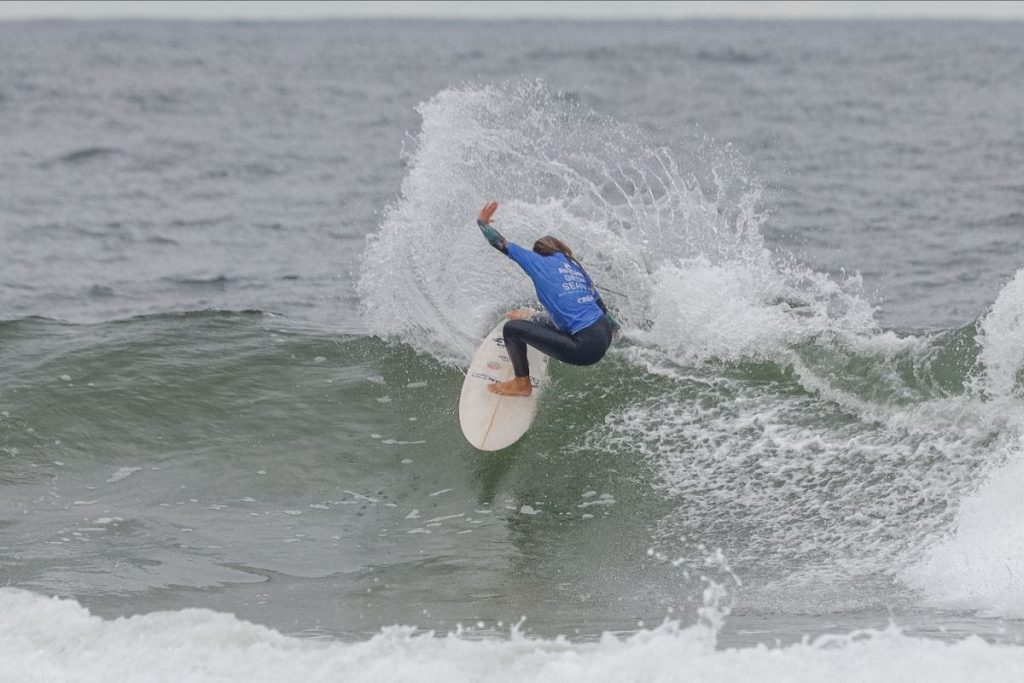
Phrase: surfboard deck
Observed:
(491, 422)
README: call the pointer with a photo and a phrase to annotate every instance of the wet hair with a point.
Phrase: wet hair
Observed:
(548, 245)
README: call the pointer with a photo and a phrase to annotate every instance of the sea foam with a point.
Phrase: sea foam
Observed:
(979, 564)
(793, 430)
(48, 639)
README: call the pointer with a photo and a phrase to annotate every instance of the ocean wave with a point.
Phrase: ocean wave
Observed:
(88, 154)
(48, 639)
(790, 429)
(168, 315)
(978, 563)
(811, 471)
(214, 282)
(678, 235)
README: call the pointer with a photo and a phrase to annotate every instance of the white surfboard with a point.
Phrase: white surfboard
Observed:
(491, 422)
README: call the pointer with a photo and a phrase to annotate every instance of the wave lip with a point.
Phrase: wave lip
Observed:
(1001, 333)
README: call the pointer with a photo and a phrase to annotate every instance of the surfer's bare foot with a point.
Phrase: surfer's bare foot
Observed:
(520, 386)
(520, 314)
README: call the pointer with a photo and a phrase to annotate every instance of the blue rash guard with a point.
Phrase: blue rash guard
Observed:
(562, 285)
(563, 289)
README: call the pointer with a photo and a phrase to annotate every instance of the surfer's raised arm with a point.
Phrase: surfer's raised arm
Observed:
(493, 237)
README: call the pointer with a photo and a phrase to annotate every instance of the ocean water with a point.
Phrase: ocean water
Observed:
(240, 278)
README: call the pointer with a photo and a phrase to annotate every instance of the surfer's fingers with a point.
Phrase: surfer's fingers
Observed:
(488, 211)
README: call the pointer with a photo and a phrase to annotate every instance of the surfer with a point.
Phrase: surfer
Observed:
(578, 328)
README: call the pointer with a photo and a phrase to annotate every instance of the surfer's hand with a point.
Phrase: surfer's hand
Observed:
(519, 314)
(485, 213)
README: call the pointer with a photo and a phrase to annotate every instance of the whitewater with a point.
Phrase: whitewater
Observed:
(199, 645)
(710, 308)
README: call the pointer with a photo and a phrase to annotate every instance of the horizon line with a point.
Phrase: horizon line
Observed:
(588, 11)
(506, 19)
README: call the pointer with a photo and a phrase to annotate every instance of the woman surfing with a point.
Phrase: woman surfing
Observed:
(578, 328)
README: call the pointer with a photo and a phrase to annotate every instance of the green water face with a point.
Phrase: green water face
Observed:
(320, 484)
(221, 459)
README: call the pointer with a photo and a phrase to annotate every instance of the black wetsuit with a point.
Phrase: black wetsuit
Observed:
(586, 347)
(582, 347)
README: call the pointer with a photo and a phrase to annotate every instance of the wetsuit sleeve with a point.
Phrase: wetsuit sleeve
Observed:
(493, 237)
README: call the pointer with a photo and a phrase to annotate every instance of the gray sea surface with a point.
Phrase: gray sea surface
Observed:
(200, 405)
